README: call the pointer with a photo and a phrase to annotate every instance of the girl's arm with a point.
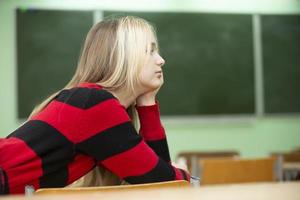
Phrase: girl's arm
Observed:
(106, 133)
(152, 130)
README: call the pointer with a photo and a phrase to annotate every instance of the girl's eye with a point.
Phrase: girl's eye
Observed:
(151, 51)
(153, 48)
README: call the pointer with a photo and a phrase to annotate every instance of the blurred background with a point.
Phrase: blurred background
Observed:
(232, 70)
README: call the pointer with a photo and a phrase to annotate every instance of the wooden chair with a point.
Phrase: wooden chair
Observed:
(224, 171)
(192, 158)
(295, 150)
(286, 162)
(168, 184)
(288, 157)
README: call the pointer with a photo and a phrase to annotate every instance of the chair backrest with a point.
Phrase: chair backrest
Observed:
(192, 158)
(224, 171)
(289, 157)
(168, 184)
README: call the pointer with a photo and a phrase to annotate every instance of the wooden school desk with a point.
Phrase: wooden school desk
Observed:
(233, 171)
(291, 166)
(291, 171)
(254, 191)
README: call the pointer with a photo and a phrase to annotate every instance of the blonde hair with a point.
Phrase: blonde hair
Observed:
(113, 54)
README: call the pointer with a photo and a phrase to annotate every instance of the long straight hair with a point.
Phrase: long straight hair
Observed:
(113, 54)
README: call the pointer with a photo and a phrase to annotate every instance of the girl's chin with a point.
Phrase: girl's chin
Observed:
(152, 86)
(157, 83)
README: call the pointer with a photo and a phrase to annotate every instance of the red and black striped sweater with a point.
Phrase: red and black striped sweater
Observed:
(81, 128)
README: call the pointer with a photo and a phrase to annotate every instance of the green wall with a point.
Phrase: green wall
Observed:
(253, 137)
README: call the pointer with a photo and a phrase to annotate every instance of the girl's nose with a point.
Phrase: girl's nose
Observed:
(160, 61)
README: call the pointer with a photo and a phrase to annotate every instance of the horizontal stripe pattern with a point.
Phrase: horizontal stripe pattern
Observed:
(110, 142)
(100, 118)
(53, 148)
(133, 162)
(161, 149)
(161, 172)
(77, 124)
(151, 127)
(83, 98)
(80, 166)
(63, 117)
(15, 164)
(79, 128)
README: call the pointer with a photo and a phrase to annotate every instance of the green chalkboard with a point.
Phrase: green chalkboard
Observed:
(209, 58)
(281, 60)
(48, 47)
(209, 62)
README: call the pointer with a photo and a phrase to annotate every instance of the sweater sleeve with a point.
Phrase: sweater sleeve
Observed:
(107, 134)
(152, 130)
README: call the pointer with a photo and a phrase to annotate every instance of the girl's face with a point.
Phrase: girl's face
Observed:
(151, 75)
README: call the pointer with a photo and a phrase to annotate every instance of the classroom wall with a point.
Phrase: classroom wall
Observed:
(252, 137)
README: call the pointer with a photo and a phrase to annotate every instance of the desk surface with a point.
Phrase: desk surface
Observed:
(256, 191)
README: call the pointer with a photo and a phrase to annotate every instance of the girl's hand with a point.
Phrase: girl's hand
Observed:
(180, 165)
(147, 99)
